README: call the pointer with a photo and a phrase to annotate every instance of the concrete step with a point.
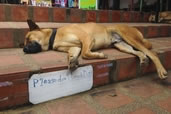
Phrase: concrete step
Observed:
(144, 95)
(16, 68)
(21, 13)
(12, 33)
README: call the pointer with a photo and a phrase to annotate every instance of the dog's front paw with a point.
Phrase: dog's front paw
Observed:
(73, 65)
(103, 56)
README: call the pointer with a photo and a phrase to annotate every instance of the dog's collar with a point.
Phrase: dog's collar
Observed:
(52, 38)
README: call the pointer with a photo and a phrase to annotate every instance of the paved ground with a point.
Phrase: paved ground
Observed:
(144, 95)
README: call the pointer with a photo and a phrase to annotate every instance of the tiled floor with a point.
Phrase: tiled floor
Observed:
(145, 95)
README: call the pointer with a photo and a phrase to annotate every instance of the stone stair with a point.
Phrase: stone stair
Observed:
(12, 33)
(16, 67)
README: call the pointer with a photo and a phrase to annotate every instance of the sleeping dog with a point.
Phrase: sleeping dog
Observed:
(82, 39)
(164, 17)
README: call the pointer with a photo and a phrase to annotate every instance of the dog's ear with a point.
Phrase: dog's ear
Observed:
(32, 25)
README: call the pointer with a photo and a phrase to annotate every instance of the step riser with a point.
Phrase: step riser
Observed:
(45, 14)
(14, 38)
(15, 86)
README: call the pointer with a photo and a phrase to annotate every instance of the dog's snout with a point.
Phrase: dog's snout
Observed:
(33, 47)
(26, 49)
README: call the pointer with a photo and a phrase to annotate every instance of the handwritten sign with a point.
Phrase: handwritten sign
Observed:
(52, 85)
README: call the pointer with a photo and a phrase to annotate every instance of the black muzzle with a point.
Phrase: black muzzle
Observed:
(33, 47)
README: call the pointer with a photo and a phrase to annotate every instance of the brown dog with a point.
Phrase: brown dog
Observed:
(76, 39)
(164, 17)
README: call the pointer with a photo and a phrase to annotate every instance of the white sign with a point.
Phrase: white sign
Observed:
(52, 85)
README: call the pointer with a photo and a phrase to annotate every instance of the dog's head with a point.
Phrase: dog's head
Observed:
(35, 38)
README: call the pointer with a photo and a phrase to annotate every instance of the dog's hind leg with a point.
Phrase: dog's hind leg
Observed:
(73, 54)
(124, 47)
(134, 39)
(160, 69)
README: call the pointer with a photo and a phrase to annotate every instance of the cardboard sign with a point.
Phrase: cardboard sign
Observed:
(52, 85)
(88, 4)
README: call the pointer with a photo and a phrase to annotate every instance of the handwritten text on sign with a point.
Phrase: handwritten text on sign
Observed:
(52, 85)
